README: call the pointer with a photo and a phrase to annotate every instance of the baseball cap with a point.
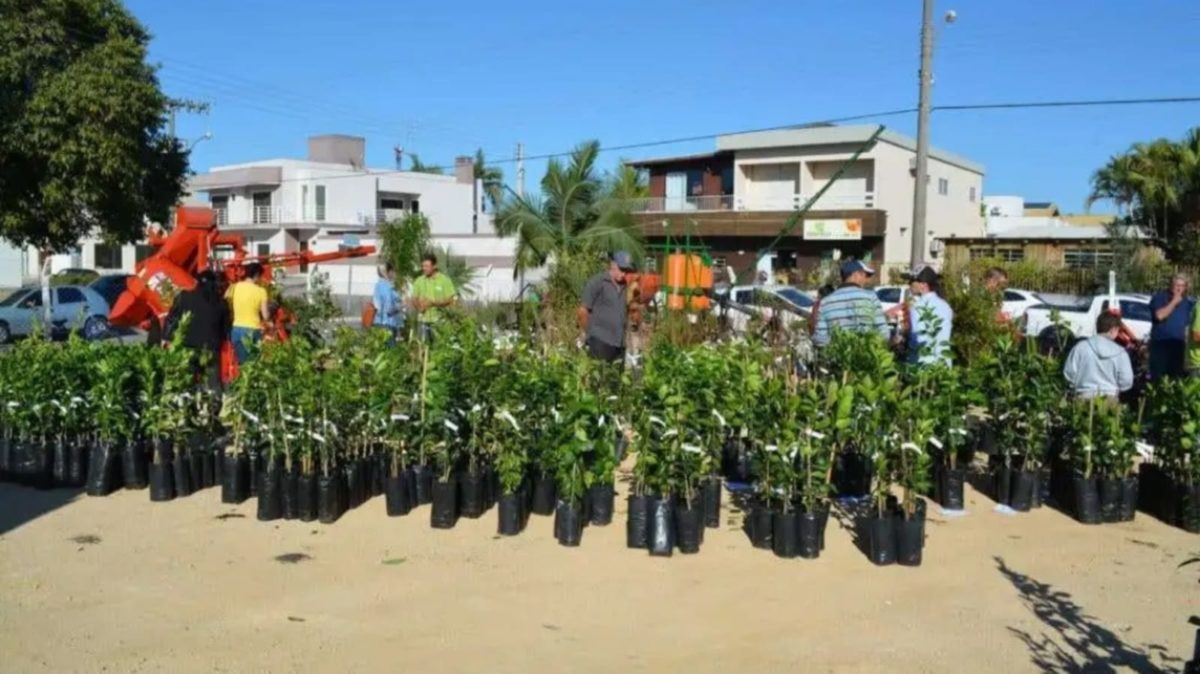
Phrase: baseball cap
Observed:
(923, 273)
(623, 260)
(853, 266)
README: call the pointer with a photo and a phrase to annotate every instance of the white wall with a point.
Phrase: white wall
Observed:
(12, 265)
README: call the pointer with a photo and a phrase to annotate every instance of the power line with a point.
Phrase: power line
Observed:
(645, 144)
(1071, 104)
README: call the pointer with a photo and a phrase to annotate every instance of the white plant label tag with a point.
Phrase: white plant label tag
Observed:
(694, 449)
(504, 414)
(936, 443)
(399, 417)
(1145, 449)
(656, 420)
(451, 425)
(249, 415)
(318, 437)
(772, 448)
(912, 447)
(815, 434)
(720, 419)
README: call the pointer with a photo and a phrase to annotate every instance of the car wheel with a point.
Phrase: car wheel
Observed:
(95, 328)
(5, 333)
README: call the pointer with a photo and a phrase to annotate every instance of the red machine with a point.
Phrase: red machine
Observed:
(189, 248)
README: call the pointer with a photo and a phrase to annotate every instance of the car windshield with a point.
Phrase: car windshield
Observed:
(795, 297)
(14, 298)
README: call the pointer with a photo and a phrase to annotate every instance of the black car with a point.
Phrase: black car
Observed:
(110, 287)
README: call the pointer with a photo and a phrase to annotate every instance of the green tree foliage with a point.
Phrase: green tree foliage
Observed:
(492, 179)
(576, 213)
(82, 144)
(418, 166)
(1156, 186)
(406, 240)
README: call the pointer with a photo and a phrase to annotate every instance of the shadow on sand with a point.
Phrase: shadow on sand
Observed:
(19, 505)
(1074, 641)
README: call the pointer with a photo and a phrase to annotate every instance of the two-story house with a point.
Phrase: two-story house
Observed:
(330, 198)
(738, 199)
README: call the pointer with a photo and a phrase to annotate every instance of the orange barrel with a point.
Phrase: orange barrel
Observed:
(675, 301)
(699, 303)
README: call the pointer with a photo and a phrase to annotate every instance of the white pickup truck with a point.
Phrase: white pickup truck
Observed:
(1078, 320)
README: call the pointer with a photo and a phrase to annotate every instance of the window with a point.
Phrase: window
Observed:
(1132, 310)
(888, 295)
(70, 296)
(106, 256)
(1087, 259)
(304, 203)
(320, 210)
(972, 193)
(727, 179)
(219, 201)
(943, 186)
(143, 251)
(743, 297)
(1010, 296)
(32, 300)
(1004, 254)
(391, 204)
(416, 206)
(262, 249)
(15, 298)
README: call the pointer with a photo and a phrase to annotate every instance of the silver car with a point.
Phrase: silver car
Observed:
(71, 308)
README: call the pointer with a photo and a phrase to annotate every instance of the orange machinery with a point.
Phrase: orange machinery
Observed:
(190, 248)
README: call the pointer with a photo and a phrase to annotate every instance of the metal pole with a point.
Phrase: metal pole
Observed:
(520, 193)
(520, 170)
(920, 184)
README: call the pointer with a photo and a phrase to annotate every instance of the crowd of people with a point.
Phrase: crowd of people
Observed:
(242, 315)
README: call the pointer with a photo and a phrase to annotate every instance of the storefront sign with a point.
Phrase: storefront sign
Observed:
(832, 230)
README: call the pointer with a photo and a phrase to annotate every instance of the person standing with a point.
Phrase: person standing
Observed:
(930, 319)
(389, 311)
(1098, 366)
(432, 292)
(207, 324)
(1171, 316)
(851, 307)
(248, 302)
(603, 312)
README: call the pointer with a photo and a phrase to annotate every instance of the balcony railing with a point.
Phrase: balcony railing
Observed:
(221, 216)
(794, 202)
(263, 215)
(714, 202)
(728, 202)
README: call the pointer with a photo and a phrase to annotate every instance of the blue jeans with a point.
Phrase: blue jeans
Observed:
(245, 343)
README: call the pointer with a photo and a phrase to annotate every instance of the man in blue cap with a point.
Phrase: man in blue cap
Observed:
(851, 307)
(603, 313)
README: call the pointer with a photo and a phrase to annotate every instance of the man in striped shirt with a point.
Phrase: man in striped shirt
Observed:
(851, 307)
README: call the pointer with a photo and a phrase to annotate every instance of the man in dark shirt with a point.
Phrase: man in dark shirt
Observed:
(1171, 312)
(603, 313)
(207, 326)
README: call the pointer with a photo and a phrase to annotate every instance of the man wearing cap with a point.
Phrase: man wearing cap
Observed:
(930, 319)
(851, 307)
(603, 313)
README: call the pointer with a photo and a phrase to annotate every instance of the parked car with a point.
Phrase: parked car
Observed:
(110, 287)
(72, 308)
(741, 303)
(1078, 320)
(74, 276)
(891, 297)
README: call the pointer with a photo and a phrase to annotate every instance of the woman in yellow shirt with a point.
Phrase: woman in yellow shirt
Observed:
(248, 304)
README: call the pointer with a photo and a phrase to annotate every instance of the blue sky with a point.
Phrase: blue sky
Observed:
(443, 78)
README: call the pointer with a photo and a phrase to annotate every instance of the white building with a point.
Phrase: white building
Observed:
(331, 198)
(738, 198)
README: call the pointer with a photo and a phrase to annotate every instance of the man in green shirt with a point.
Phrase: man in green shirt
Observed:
(1193, 351)
(431, 292)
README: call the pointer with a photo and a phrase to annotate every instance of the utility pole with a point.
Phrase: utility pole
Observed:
(187, 105)
(520, 170)
(921, 183)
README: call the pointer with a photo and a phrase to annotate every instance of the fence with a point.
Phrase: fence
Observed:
(1133, 278)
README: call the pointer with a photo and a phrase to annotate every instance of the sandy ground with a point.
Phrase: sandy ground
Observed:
(120, 584)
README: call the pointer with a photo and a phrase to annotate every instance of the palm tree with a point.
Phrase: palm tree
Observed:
(574, 216)
(418, 166)
(492, 179)
(456, 268)
(627, 182)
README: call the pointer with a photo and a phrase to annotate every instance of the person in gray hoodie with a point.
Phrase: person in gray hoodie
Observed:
(1098, 366)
